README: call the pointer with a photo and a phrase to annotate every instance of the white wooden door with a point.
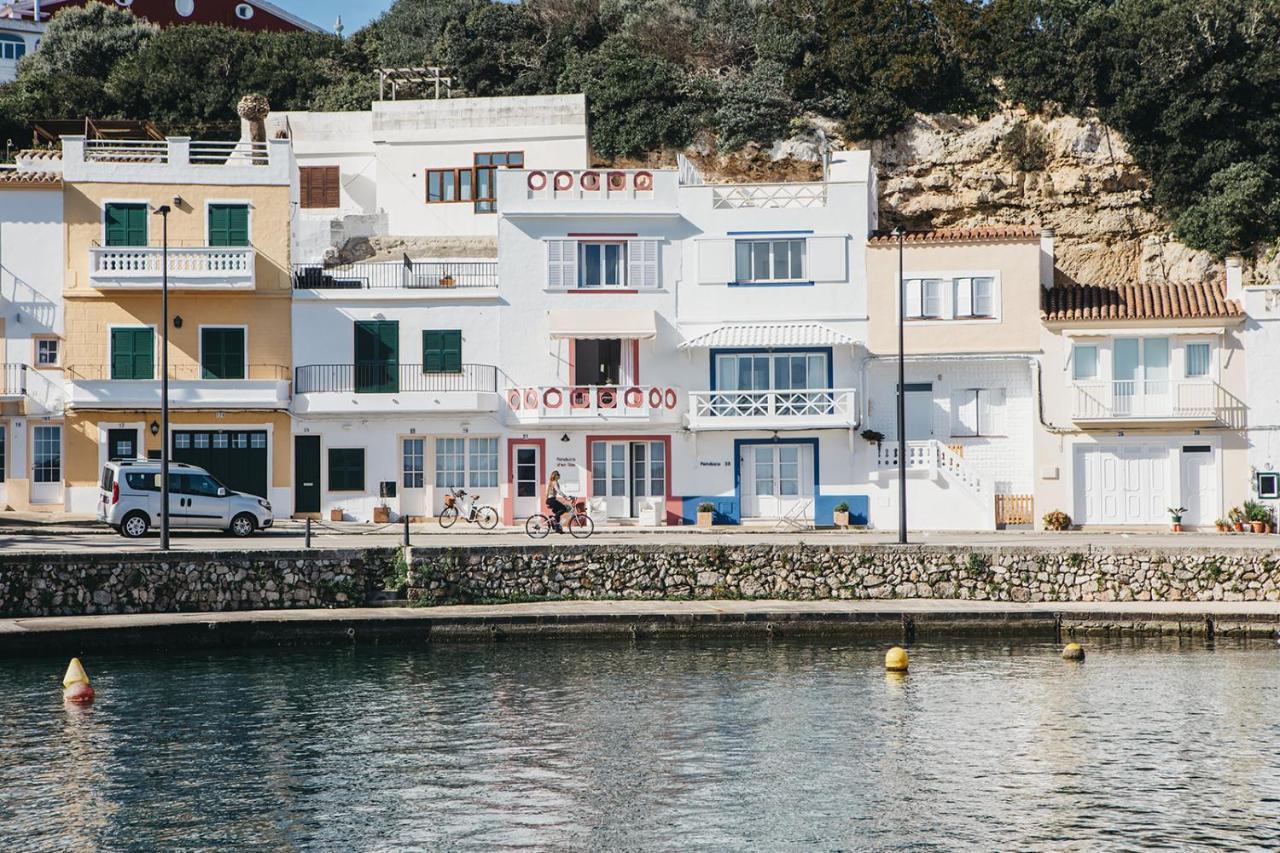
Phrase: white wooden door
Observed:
(528, 496)
(776, 480)
(919, 408)
(1199, 485)
(413, 486)
(1122, 484)
(46, 465)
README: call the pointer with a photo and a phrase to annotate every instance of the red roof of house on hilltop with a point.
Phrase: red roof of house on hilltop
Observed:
(241, 14)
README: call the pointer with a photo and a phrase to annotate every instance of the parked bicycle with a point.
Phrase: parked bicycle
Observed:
(580, 525)
(459, 504)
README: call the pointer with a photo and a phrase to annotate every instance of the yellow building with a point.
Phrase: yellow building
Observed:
(226, 207)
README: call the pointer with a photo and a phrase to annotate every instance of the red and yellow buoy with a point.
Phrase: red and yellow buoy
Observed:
(75, 684)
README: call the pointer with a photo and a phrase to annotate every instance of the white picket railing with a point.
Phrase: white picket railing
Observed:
(1153, 399)
(934, 457)
(833, 405)
(768, 196)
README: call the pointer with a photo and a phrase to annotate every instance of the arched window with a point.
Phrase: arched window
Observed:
(12, 47)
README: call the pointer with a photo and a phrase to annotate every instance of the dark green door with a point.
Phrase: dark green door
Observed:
(236, 458)
(377, 350)
(228, 225)
(306, 473)
(126, 224)
(222, 353)
(133, 354)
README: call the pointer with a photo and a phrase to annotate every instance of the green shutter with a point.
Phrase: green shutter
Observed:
(126, 224)
(228, 225)
(346, 469)
(441, 351)
(132, 354)
(222, 353)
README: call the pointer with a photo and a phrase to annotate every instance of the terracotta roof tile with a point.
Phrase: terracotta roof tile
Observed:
(1091, 302)
(976, 234)
(40, 154)
(16, 177)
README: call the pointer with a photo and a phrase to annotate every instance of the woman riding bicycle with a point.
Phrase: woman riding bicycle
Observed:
(557, 501)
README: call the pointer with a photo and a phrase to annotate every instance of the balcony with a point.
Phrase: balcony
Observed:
(13, 381)
(177, 160)
(191, 268)
(391, 389)
(267, 387)
(398, 279)
(1169, 400)
(600, 192)
(802, 409)
(585, 404)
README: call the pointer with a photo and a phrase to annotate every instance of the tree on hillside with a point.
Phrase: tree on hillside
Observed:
(88, 41)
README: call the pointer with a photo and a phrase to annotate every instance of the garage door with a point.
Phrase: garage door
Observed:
(237, 458)
(1122, 484)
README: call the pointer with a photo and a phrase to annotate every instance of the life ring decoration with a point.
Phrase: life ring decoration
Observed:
(617, 181)
(513, 399)
(552, 398)
(531, 399)
(633, 398)
(655, 398)
(563, 181)
(607, 398)
(579, 398)
(590, 181)
(537, 181)
(644, 181)
(671, 398)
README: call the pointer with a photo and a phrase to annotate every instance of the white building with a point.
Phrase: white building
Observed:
(19, 37)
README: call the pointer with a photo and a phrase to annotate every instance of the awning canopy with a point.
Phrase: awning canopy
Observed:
(769, 335)
(586, 324)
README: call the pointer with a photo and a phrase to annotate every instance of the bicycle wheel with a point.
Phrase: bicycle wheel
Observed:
(537, 526)
(487, 517)
(581, 526)
(448, 516)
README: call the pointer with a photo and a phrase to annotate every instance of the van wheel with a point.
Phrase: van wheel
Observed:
(243, 525)
(135, 525)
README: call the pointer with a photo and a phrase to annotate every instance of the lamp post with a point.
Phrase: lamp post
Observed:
(163, 210)
(901, 234)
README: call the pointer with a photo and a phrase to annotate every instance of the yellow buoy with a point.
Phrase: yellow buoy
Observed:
(1073, 651)
(895, 660)
(75, 684)
(75, 674)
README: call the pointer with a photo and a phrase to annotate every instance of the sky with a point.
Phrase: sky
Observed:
(355, 13)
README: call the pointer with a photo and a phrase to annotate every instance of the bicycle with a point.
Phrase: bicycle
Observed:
(580, 524)
(485, 516)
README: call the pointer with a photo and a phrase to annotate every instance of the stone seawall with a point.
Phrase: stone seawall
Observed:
(190, 581)
(812, 572)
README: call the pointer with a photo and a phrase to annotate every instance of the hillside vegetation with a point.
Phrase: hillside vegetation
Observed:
(1191, 86)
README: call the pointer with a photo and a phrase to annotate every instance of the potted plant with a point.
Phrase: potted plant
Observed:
(1222, 525)
(873, 436)
(1236, 516)
(382, 513)
(841, 514)
(1056, 520)
(446, 280)
(1175, 516)
(336, 513)
(1257, 515)
(706, 514)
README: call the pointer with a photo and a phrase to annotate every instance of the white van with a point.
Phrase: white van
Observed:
(129, 500)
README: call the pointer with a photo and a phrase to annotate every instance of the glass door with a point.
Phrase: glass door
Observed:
(527, 485)
(648, 474)
(413, 492)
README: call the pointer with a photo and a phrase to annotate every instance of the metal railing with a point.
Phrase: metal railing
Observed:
(805, 403)
(145, 261)
(410, 275)
(13, 380)
(205, 153)
(391, 379)
(163, 151)
(126, 151)
(1153, 398)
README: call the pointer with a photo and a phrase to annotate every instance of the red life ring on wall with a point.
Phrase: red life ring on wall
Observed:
(590, 181)
(537, 181)
(655, 398)
(672, 398)
(549, 395)
(531, 399)
(633, 398)
(513, 399)
(606, 398)
(563, 181)
(617, 181)
(644, 181)
(579, 398)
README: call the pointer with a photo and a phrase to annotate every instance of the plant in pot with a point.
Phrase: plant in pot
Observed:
(1056, 520)
(706, 514)
(337, 513)
(447, 280)
(1175, 516)
(382, 513)
(1235, 515)
(841, 514)
(873, 436)
(1222, 525)
(1257, 515)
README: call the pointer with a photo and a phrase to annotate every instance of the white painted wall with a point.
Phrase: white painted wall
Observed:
(31, 269)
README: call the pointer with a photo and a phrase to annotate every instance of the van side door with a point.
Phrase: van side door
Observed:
(205, 506)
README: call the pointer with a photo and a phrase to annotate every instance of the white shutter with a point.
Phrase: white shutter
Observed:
(716, 261)
(964, 297)
(913, 297)
(992, 416)
(562, 264)
(642, 264)
(828, 259)
(964, 413)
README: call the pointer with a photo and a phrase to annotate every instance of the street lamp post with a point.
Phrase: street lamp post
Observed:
(901, 234)
(163, 210)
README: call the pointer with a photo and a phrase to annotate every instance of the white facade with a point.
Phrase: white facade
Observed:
(19, 37)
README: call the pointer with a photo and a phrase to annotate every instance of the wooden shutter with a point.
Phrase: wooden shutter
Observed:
(991, 411)
(915, 301)
(228, 225)
(132, 354)
(562, 264)
(828, 259)
(126, 225)
(716, 261)
(441, 351)
(319, 186)
(964, 297)
(222, 353)
(642, 264)
(964, 413)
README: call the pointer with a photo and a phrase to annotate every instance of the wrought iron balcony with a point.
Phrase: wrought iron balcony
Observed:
(408, 275)
(394, 388)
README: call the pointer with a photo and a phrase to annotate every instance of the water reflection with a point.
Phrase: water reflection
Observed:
(697, 745)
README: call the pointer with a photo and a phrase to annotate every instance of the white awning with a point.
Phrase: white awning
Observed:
(586, 324)
(769, 335)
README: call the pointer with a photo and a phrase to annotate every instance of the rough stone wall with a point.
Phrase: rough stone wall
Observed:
(845, 572)
(83, 584)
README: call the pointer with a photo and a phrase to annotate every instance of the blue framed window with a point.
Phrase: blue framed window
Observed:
(772, 371)
(12, 47)
(769, 260)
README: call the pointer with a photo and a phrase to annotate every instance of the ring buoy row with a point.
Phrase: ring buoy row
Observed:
(589, 181)
(580, 398)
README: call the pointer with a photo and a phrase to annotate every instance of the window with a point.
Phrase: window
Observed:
(182, 441)
(924, 298)
(222, 353)
(975, 297)
(12, 47)
(1084, 361)
(46, 456)
(769, 260)
(346, 469)
(467, 462)
(1268, 484)
(451, 462)
(413, 466)
(448, 185)
(1197, 360)
(221, 441)
(133, 353)
(978, 411)
(46, 352)
(602, 265)
(441, 351)
(771, 371)
(126, 224)
(228, 225)
(143, 482)
(486, 167)
(482, 463)
(320, 186)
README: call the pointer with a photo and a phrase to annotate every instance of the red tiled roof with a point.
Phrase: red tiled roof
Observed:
(14, 177)
(1091, 302)
(40, 154)
(976, 234)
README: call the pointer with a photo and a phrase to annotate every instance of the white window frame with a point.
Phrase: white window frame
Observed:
(462, 474)
(1097, 362)
(623, 261)
(36, 341)
(754, 244)
(953, 301)
(1186, 344)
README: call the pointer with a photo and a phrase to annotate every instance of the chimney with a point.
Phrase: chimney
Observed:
(1046, 258)
(1235, 277)
(253, 110)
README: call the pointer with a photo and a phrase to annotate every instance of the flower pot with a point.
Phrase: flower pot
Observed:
(381, 515)
(335, 515)
(706, 519)
(841, 519)
(1258, 526)
(1239, 526)
(1222, 528)
(1177, 527)
(446, 281)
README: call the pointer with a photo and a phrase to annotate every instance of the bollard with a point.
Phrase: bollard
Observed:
(406, 530)
(306, 534)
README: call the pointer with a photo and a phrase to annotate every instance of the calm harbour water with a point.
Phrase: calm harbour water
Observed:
(658, 745)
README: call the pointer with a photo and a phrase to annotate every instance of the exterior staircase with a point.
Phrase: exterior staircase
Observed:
(936, 462)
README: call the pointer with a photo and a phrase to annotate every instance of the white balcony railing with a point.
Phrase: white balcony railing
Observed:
(793, 195)
(578, 403)
(936, 459)
(812, 407)
(1163, 399)
(141, 267)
